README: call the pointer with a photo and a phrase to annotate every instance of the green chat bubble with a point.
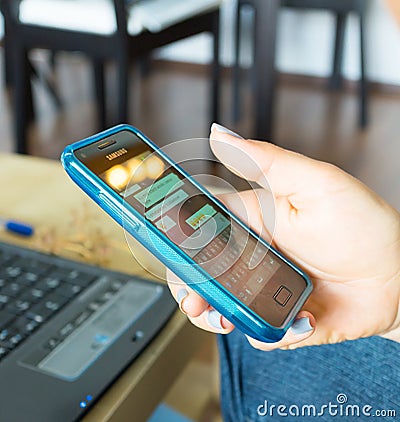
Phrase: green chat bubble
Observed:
(159, 190)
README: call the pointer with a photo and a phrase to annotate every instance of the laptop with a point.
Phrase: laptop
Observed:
(67, 330)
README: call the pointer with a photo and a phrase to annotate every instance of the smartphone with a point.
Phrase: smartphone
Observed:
(189, 230)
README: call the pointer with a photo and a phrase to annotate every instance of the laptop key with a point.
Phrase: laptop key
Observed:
(11, 289)
(32, 295)
(15, 339)
(82, 279)
(40, 313)
(4, 300)
(54, 301)
(76, 277)
(3, 352)
(13, 271)
(6, 257)
(28, 279)
(6, 318)
(48, 283)
(24, 325)
(34, 265)
(68, 290)
(18, 307)
(5, 335)
(12, 341)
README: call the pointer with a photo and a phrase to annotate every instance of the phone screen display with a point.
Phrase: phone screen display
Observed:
(197, 225)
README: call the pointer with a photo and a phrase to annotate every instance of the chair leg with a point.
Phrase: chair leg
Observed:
(363, 80)
(123, 87)
(31, 72)
(52, 60)
(99, 87)
(22, 96)
(145, 65)
(336, 78)
(48, 84)
(266, 18)
(236, 105)
(215, 72)
(7, 60)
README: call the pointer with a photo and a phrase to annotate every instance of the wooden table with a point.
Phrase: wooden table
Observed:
(38, 191)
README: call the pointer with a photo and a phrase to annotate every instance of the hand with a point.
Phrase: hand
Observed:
(334, 227)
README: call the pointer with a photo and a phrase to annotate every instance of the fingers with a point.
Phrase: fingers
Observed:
(284, 172)
(199, 312)
(212, 321)
(301, 330)
(254, 207)
(203, 316)
(188, 300)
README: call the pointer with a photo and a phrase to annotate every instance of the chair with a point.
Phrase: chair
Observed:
(7, 44)
(4, 42)
(341, 8)
(119, 30)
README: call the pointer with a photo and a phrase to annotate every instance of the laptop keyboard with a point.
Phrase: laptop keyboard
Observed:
(33, 291)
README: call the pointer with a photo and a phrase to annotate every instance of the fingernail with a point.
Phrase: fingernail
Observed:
(223, 129)
(301, 326)
(214, 319)
(182, 293)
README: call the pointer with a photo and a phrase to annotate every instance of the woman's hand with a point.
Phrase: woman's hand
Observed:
(335, 228)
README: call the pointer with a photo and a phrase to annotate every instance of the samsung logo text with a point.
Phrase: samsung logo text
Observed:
(116, 154)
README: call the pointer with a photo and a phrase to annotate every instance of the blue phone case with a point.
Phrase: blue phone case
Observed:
(167, 252)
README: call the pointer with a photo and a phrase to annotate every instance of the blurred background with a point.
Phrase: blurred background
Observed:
(321, 77)
(170, 87)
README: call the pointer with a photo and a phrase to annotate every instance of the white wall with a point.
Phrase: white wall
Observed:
(305, 43)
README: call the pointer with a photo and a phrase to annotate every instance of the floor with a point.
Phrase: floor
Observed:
(172, 104)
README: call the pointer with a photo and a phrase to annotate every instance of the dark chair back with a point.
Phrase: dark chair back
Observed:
(119, 46)
(335, 5)
(121, 16)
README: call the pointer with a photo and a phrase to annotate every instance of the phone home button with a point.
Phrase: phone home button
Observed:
(282, 295)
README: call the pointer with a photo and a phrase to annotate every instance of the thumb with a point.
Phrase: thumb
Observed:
(284, 172)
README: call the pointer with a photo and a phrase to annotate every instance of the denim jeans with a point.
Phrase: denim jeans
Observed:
(355, 380)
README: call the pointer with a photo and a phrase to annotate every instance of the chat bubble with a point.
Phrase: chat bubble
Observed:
(209, 231)
(159, 189)
(168, 203)
(201, 216)
(130, 190)
(166, 223)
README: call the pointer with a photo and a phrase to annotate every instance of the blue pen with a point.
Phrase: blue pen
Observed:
(17, 227)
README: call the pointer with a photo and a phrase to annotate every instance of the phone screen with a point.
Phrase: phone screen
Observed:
(197, 225)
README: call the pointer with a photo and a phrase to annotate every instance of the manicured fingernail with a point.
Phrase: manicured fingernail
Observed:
(182, 293)
(220, 128)
(214, 319)
(301, 326)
